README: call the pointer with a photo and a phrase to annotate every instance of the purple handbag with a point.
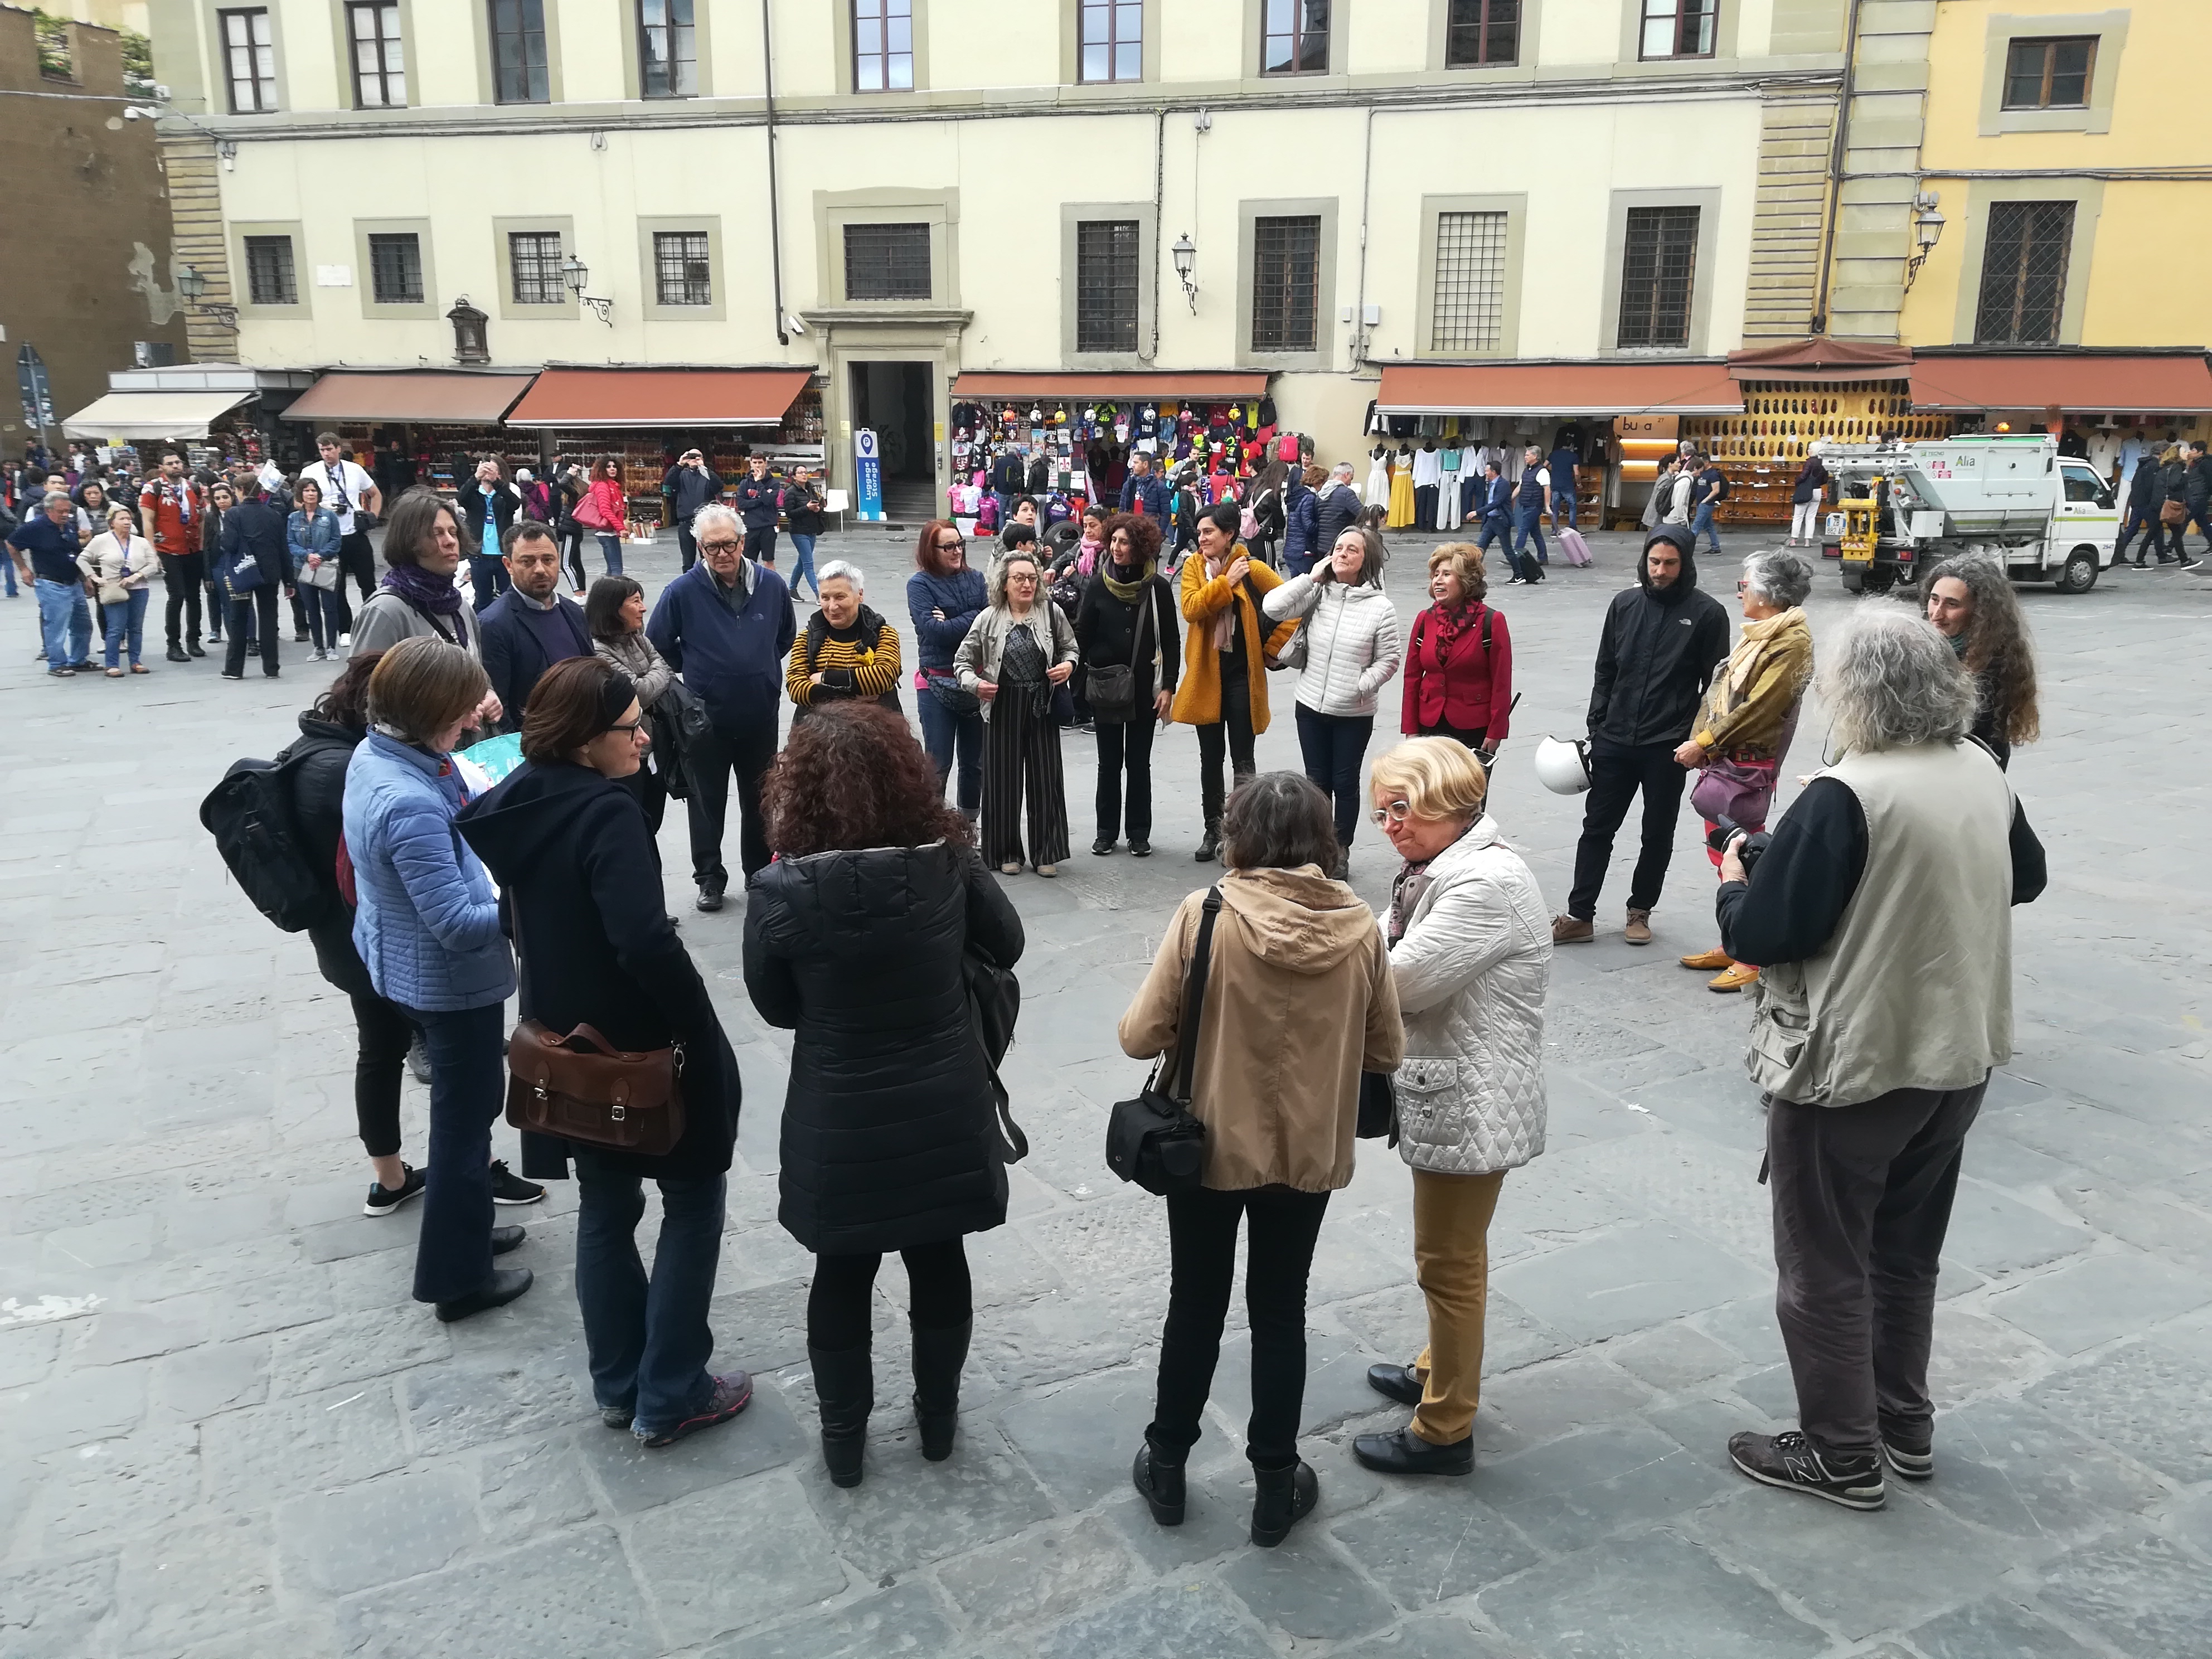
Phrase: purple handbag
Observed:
(1740, 792)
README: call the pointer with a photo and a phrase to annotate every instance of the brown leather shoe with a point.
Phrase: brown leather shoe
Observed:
(1708, 960)
(1638, 931)
(1734, 978)
(1572, 929)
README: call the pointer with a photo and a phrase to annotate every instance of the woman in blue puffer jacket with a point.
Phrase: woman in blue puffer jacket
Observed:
(427, 929)
(1301, 520)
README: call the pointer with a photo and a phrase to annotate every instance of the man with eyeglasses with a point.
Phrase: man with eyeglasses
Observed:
(688, 486)
(727, 625)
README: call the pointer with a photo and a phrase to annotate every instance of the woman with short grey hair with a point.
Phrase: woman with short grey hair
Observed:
(846, 650)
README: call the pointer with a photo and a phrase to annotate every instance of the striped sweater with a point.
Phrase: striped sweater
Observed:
(849, 667)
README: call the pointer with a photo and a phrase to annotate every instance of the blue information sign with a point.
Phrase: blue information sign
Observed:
(867, 476)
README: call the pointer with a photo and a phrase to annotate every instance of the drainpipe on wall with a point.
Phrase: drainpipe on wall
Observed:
(774, 224)
(1359, 307)
(1836, 168)
(1159, 177)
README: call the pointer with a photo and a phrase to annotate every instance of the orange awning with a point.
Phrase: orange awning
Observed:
(1221, 385)
(1577, 388)
(661, 396)
(438, 399)
(1818, 360)
(2123, 382)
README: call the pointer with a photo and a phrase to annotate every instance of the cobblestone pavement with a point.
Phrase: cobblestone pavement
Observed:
(229, 1432)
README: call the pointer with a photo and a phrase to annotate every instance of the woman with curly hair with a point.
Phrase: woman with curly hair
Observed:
(1127, 640)
(1971, 604)
(855, 940)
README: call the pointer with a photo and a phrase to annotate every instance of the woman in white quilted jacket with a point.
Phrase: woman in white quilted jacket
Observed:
(1346, 653)
(1470, 953)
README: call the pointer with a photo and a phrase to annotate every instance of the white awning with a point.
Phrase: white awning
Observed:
(136, 415)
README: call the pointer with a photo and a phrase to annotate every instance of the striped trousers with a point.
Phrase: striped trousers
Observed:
(1021, 756)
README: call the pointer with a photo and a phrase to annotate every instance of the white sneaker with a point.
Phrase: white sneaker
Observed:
(345, 638)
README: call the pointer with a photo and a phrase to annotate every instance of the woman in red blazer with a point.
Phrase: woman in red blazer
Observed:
(1459, 663)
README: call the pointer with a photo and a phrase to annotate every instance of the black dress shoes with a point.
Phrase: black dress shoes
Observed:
(503, 1287)
(1406, 1453)
(504, 1239)
(1396, 1382)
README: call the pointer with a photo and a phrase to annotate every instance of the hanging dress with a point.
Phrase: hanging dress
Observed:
(1377, 492)
(1401, 495)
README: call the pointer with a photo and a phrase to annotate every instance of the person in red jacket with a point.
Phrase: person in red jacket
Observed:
(1459, 662)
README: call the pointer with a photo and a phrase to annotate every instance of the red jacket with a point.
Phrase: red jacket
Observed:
(1456, 687)
(164, 523)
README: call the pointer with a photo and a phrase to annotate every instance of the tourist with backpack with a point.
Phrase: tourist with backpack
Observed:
(1712, 489)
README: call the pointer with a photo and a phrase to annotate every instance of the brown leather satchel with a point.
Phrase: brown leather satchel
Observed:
(581, 1087)
(2173, 513)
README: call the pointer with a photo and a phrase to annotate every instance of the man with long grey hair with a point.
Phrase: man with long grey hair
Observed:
(1881, 915)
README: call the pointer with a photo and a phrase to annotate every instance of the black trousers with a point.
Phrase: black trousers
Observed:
(1232, 733)
(1862, 1201)
(1202, 1255)
(255, 614)
(688, 543)
(1332, 746)
(2132, 521)
(357, 559)
(760, 544)
(384, 1033)
(1618, 770)
(1021, 761)
(572, 556)
(182, 577)
(841, 1301)
(1125, 755)
(1467, 736)
(1425, 506)
(713, 759)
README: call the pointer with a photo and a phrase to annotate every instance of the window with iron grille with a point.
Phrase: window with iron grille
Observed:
(395, 267)
(1679, 28)
(249, 60)
(1294, 36)
(518, 52)
(667, 49)
(534, 257)
(2051, 74)
(887, 262)
(2024, 273)
(1106, 285)
(380, 63)
(269, 279)
(680, 274)
(883, 46)
(1285, 283)
(1658, 268)
(1482, 33)
(1113, 40)
(1468, 313)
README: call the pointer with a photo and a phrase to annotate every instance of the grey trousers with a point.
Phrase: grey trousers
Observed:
(1862, 1201)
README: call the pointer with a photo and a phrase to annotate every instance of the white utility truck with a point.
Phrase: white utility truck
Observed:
(1900, 507)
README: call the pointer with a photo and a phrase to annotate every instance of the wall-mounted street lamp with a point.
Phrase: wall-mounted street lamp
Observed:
(1186, 264)
(575, 273)
(191, 288)
(1927, 231)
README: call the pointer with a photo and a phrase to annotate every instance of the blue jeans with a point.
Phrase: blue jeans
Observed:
(1332, 747)
(468, 1080)
(486, 578)
(1701, 524)
(647, 1338)
(64, 622)
(1563, 505)
(8, 573)
(947, 735)
(127, 619)
(1526, 526)
(802, 567)
(325, 608)
(610, 550)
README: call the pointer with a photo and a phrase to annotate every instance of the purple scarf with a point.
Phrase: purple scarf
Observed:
(434, 596)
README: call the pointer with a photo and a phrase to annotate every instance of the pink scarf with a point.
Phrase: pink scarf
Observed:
(1225, 625)
(1087, 556)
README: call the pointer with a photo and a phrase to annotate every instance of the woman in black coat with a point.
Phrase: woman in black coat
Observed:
(568, 843)
(1106, 637)
(855, 940)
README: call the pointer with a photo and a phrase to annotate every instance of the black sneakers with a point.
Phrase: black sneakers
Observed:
(1793, 1462)
(382, 1201)
(507, 1188)
(729, 1396)
(1909, 1453)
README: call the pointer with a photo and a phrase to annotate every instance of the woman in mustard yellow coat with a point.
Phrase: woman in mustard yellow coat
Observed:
(1227, 649)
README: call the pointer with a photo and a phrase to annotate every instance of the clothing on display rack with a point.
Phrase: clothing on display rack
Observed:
(1428, 472)
(1401, 490)
(1377, 492)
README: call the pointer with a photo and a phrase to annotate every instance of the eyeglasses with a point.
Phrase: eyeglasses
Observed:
(1021, 575)
(952, 546)
(1396, 812)
(630, 726)
(719, 547)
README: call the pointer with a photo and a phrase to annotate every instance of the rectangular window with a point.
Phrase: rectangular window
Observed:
(518, 52)
(249, 60)
(380, 65)
(1285, 283)
(395, 267)
(1679, 28)
(2050, 73)
(1468, 313)
(1658, 268)
(667, 49)
(1294, 36)
(1479, 33)
(680, 275)
(883, 46)
(269, 279)
(2024, 273)
(1113, 40)
(1106, 285)
(887, 262)
(534, 256)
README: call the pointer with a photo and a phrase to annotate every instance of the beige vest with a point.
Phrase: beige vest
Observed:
(1914, 988)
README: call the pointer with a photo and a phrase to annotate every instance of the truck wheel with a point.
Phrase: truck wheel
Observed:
(1854, 580)
(2079, 574)
(1881, 579)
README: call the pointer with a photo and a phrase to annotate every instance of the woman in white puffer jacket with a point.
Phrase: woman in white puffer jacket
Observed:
(1470, 952)
(1346, 653)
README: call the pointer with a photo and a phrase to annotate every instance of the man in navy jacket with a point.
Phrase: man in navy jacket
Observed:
(727, 625)
(760, 498)
(531, 626)
(1144, 490)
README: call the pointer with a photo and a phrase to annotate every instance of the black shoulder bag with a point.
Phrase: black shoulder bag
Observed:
(1153, 1139)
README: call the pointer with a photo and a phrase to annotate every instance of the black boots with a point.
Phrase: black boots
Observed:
(1209, 849)
(845, 1383)
(1284, 1498)
(1157, 1473)
(938, 1356)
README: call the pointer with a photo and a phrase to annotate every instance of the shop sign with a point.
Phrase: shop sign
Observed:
(868, 475)
(1647, 426)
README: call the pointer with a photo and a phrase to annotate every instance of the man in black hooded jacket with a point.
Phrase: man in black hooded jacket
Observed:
(1661, 641)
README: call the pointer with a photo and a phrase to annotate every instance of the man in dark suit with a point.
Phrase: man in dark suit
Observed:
(254, 531)
(531, 626)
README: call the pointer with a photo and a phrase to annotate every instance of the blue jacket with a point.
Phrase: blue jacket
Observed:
(1300, 523)
(427, 926)
(1152, 489)
(317, 535)
(961, 596)
(1498, 505)
(733, 659)
(517, 649)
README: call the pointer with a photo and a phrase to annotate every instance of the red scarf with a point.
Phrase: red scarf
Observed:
(1450, 625)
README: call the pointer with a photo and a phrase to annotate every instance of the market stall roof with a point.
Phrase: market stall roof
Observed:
(2123, 382)
(661, 396)
(1560, 388)
(146, 417)
(1225, 386)
(457, 399)
(1818, 360)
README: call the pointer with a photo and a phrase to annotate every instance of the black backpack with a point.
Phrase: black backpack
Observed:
(256, 829)
(1721, 494)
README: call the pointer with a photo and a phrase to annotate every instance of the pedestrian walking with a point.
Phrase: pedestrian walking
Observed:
(1471, 960)
(846, 650)
(2145, 495)
(570, 486)
(1144, 491)
(1656, 653)
(1806, 497)
(1459, 659)
(257, 566)
(1661, 500)
(349, 492)
(1222, 689)
(418, 597)
(760, 503)
(173, 511)
(1712, 489)
(1530, 497)
(1016, 655)
(1874, 1032)
(688, 486)
(1565, 489)
(1127, 640)
(802, 510)
(614, 614)
(536, 493)
(612, 509)
(532, 625)
(487, 504)
(943, 597)
(1298, 1002)
(2197, 498)
(117, 564)
(858, 939)
(311, 535)
(1971, 604)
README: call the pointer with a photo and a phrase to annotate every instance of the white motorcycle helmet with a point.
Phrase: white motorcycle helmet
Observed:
(1563, 768)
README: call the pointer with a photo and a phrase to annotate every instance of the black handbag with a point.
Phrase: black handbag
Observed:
(994, 1002)
(1153, 1139)
(1378, 1106)
(1112, 690)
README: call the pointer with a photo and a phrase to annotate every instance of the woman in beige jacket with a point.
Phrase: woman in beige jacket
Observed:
(118, 564)
(1298, 1002)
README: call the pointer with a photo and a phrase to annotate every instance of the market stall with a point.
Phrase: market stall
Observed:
(207, 410)
(2107, 406)
(444, 421)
